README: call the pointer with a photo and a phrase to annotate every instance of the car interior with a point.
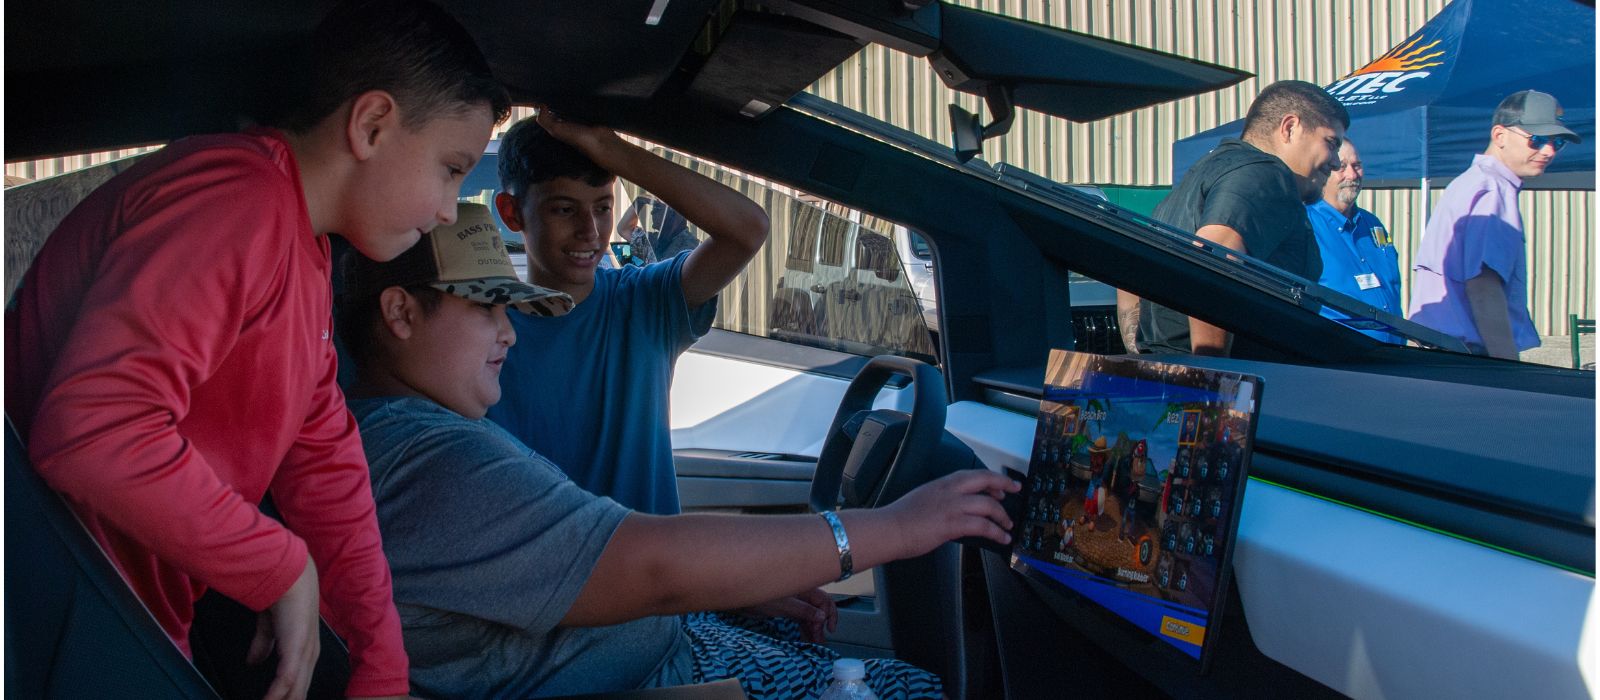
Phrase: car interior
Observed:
(1418, 521)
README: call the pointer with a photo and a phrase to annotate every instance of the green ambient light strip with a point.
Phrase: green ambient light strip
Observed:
(1429, 528)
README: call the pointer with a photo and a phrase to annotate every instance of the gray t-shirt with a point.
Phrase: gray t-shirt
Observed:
(489, 545)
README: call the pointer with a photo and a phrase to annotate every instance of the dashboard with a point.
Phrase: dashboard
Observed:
(1372, 594)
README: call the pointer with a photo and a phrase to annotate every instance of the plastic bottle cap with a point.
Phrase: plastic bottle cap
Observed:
(849, 670)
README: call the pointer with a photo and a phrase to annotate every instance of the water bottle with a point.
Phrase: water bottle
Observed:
(849, 682)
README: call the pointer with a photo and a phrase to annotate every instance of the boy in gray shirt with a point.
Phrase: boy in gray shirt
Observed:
(512, 581)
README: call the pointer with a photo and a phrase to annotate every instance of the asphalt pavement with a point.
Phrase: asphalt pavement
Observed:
(1556, 350)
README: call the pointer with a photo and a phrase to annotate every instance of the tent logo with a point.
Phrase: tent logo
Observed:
(1389, 73)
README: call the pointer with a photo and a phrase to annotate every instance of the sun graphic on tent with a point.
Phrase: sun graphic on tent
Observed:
(1405, 57)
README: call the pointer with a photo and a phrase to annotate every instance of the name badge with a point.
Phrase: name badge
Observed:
(1367, 281)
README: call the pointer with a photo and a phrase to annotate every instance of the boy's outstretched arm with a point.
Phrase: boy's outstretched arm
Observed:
(735, 227)
(713, 562)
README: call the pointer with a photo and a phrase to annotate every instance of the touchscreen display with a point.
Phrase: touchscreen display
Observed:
(1134, 487)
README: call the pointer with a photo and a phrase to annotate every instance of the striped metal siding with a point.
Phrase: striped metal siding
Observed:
(1315, 41)
(1318, 41)
(41, 169)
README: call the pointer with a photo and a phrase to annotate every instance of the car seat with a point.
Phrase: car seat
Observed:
(73, 627)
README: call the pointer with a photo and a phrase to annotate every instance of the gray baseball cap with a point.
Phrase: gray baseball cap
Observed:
(1535, 112)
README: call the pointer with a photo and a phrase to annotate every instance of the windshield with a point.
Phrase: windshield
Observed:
(1313, 298)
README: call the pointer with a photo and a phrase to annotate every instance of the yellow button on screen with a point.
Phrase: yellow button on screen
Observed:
(1183, 629)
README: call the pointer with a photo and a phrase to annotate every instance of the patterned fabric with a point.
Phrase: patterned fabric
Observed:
(768, 658)
(528, 298)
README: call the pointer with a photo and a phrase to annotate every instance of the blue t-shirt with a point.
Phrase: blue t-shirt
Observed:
(1358, 260)
(489, 545)
(589, 390)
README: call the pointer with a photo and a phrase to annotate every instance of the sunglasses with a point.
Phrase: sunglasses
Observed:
(1538, 143)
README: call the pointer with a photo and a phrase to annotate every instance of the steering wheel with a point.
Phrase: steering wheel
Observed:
(865, 453)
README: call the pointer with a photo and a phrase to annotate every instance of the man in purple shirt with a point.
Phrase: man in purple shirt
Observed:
(1471, 272)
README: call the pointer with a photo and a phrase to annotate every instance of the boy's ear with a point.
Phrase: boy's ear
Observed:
(510, 210)
(372, 115)
(395, 309)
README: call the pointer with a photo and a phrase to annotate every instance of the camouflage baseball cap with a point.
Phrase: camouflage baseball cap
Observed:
(467, 259)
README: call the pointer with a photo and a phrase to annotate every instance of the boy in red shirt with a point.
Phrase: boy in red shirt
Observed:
(170, 351)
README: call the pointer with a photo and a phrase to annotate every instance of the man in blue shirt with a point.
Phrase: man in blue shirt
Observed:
(1358, 255)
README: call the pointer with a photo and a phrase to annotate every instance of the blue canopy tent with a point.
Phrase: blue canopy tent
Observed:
(1421, 111)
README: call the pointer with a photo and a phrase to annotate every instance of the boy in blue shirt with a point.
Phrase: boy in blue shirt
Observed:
(590, 389)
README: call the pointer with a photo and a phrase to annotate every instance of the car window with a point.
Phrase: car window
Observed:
(1321, 305)
(829, 276)
(920, 248)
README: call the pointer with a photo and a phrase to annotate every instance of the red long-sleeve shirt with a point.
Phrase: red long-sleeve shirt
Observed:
(170, 360)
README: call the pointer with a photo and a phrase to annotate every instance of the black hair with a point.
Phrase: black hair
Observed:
(1509, 111)
(411, 49)
(356, 316)
(529, 155)
(1313, 105)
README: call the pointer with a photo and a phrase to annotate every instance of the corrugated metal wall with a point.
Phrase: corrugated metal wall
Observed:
(1314, 40)
(40, 169)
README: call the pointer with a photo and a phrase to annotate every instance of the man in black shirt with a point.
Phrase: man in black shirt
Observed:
(1249, 194)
